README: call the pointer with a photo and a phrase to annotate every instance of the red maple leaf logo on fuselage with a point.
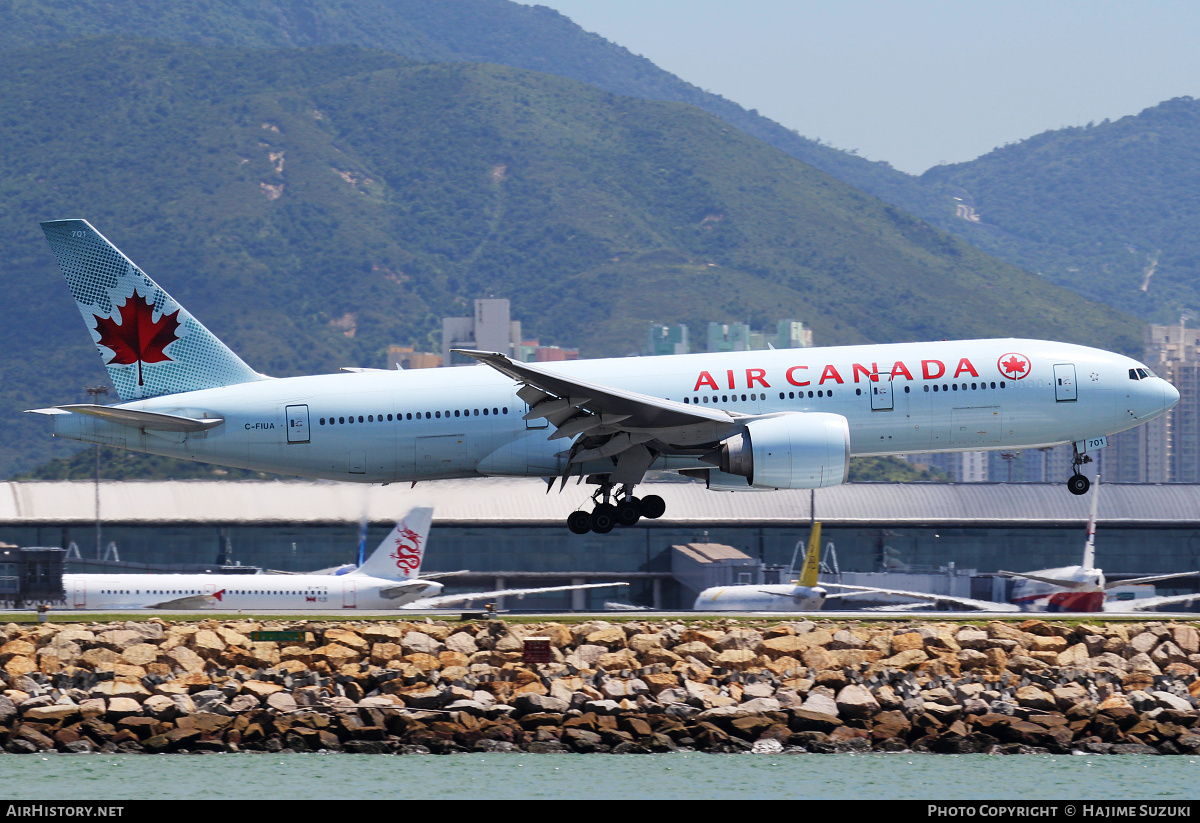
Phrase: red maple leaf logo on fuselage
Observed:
(1016, 366)
(138, 338)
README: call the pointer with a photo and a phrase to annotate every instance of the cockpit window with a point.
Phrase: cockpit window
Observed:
(1133, 375)
(1146, 373)
(1140, 374)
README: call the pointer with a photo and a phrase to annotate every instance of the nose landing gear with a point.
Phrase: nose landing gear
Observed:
(1078, 483)
(608, 513)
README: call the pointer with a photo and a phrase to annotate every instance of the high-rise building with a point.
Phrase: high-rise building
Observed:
(1172, 448)
(791, 334)
(662, 339)
(489, 329)
(728, 337)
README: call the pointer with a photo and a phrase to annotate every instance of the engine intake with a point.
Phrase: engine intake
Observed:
(796, 450)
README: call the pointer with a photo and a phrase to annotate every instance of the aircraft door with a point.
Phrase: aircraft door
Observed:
(297, 424)
(349, 594)
(881, 393)
(1064, 382)
(79, 595)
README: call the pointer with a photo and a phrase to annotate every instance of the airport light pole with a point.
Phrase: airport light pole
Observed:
(94, 393)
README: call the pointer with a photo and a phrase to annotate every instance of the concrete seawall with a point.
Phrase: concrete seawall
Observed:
(723, 685)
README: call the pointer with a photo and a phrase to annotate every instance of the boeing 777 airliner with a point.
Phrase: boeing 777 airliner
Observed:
(780, 419)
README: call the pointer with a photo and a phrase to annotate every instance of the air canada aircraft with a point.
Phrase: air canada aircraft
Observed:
(739, 421)
(808, 594)
(389, 579)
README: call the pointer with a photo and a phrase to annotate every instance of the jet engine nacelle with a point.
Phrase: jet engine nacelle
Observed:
(796, 450)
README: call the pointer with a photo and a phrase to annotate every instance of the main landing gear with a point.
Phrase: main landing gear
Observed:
(1079, 484)
(610, 512)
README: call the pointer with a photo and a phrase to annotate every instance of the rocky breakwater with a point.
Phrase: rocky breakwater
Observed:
(640, 686)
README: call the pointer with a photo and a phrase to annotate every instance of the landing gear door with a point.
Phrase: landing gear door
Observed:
(297, 424)
(1064, 382)
(881, 394)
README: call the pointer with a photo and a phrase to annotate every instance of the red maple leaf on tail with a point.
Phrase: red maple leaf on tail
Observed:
(138, 338)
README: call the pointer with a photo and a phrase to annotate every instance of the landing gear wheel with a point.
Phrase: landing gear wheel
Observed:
(1078, 484)
(652, 506)
(629, 511)
(603, 518)
(579, 522)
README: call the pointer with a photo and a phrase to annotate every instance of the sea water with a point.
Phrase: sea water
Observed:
(315, 776)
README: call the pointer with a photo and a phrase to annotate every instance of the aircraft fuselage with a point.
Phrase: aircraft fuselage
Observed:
(387, 426)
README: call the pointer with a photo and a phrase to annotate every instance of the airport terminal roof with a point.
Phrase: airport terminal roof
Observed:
(524, 502)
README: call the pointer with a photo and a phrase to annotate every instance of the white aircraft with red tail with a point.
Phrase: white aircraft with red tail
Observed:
(780, 419)
(389, 579)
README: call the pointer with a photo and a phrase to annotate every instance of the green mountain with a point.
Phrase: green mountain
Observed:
(313, 206)
(1056, 204)
(1109, 210)
(479, 31)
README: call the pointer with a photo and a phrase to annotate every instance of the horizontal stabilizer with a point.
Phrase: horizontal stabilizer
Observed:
(151, 421)
(1154, 578)
(1061, 582)
(440, 575)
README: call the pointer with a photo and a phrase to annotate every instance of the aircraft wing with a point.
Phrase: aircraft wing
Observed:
(1133, 581)
(1144, 603)
(967, 602)
(452, 599)
(192, 601)
(1053, 581)
(611, 420)
(401, 589)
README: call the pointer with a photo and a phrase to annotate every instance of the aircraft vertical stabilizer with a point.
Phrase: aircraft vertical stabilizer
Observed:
(400, 554)
(812, 558)
(150, 344)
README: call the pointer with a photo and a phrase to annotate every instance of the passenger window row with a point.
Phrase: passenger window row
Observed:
(725, 398)
(973, 386)
(379, 418)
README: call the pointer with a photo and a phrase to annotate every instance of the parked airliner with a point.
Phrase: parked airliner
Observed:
(780, 419)
(808, 594)
(389, 579)
(1083, 588)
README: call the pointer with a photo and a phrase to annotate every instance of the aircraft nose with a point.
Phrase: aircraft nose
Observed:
(1170, 396)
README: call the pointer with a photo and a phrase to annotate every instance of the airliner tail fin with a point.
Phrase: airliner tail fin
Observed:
(812, 558)
(150, 344)
(400, 554)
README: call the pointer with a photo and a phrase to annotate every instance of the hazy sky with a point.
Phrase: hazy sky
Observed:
(916, 82)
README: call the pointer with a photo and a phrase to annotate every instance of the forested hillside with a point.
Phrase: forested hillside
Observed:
(313, 206)
(1111, 210)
